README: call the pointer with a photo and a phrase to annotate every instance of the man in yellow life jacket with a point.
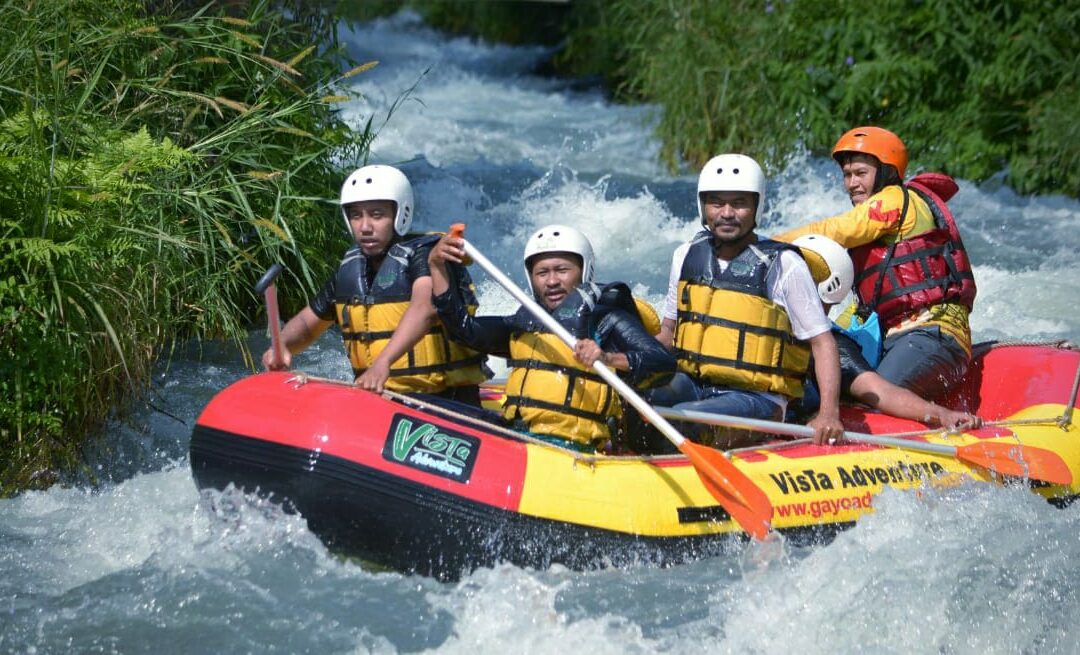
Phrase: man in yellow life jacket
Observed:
(552, 392)
(911, 268)
(380, 297)
(858, 380)
(742, 313)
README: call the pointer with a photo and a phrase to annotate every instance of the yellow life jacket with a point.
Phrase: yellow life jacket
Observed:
(728, 332)
(547, 389)
(368, 314)
(649, 318)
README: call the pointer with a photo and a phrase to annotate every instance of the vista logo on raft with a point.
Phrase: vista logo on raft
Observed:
(430, 448)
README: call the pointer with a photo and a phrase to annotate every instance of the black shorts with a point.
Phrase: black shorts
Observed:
(852, 365)
(924, 360)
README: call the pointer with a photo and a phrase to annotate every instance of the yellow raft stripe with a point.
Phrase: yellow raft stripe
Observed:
(642, 498)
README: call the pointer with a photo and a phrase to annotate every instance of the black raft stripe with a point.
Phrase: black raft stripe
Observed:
(409, 526)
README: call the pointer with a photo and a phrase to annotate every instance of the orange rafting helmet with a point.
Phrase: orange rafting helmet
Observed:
(876, 141)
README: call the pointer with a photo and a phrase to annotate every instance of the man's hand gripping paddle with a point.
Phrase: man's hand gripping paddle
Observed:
(265, 286)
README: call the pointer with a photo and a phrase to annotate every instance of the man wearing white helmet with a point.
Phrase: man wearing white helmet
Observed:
(858, 380)
(381, 299)
(552, 392)
(742, 313)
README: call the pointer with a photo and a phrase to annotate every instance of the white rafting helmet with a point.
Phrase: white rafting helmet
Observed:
(834, 273)
(380, 183)
(560, 238)
(731, 172)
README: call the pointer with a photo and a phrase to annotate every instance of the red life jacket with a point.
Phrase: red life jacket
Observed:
(922, 270)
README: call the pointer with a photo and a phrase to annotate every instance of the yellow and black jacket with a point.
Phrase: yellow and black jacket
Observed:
(728, 332)
(369, 307)
(548, 391)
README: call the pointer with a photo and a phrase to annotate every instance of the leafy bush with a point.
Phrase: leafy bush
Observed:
(150, 168)
(974, 87)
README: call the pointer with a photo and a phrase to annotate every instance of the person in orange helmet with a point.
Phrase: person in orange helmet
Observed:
(911, 268)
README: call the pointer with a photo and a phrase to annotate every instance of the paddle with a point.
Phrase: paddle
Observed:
(1005, 458)
(744, 501)
(265, 286)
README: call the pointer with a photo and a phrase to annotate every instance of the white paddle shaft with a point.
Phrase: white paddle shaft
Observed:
(549, 321)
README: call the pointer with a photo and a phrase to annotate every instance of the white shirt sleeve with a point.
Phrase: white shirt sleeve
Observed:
(791, 286)
(671, 300)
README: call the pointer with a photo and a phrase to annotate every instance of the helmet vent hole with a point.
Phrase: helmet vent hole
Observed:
(368, 181)
(719, 171)
(735, 171)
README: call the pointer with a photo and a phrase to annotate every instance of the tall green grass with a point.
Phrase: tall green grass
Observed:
(151, 166)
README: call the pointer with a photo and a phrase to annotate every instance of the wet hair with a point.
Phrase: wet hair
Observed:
(886, 176)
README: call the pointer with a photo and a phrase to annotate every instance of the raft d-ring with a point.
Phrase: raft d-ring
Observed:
(298, 380)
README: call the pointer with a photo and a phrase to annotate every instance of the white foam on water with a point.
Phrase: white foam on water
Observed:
(967, 570)
(507, 609)
(471, 101)
(632, 236)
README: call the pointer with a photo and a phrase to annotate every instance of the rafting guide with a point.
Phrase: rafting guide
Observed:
(911, 268)
(859, 382)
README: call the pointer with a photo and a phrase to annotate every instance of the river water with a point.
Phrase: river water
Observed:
(138, 561)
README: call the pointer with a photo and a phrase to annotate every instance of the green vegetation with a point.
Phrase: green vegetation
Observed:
(151, 167)
(974, 87)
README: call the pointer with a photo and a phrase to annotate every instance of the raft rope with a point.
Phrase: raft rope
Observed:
(1063, 421)
(775, 445)
(301, 379)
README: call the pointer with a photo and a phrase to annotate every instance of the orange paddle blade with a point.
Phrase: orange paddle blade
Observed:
(1018, 460)
(736, 493)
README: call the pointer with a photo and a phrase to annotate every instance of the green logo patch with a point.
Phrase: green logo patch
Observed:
(430, 448)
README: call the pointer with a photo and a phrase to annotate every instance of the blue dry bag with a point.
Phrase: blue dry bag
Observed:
(868, 335)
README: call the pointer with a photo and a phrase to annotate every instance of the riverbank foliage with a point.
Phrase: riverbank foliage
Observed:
(974, 87)
(155, 158)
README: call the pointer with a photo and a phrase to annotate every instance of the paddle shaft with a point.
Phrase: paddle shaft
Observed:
(793, 430)
(550, 323)
(266, 286)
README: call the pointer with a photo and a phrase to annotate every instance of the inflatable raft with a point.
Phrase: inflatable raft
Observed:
(417, 489)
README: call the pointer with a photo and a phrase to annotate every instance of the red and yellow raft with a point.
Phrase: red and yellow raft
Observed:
(423, 491)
